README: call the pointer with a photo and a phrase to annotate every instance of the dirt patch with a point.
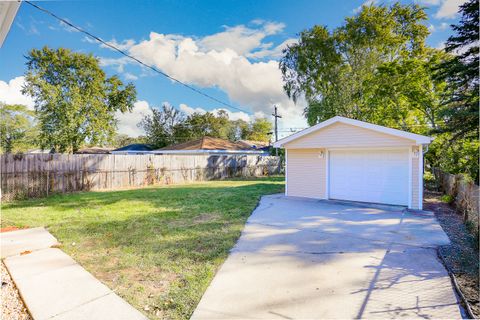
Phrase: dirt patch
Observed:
(12, 305)
(462, 255)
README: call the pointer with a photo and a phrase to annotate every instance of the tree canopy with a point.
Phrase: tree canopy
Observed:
(18, 128)
(377, 68)
(167, 125)
(343, 71)
(75, 102)
(461, 74)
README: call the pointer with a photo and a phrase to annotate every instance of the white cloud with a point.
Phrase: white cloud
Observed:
(272, 53)
(123, 45)
(429, 2)
(66, 27)
(443, 26)
(449, 9)
(257, 85)
(241, 39)
(440, 45)
(129, 76)
(127, 122)
(10, 92)
(228, 61)
(366, 3)
(117, 63)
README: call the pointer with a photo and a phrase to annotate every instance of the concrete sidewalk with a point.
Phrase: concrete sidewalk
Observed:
(306, 259)
(53, 285)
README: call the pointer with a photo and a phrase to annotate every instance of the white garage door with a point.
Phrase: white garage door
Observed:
(379, 176)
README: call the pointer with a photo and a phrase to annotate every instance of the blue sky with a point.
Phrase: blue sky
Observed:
(229, 49)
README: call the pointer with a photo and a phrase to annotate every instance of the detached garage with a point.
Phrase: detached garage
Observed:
(346, 159)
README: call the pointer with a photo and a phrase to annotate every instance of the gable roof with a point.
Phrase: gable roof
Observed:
(419, 139)
(209, 143)
(135, 147)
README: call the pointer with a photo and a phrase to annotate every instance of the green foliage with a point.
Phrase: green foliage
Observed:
(18, 129)
(343, 72)
(457, 149)
(198, 125)
(74, 100)
(258, 130)
(157, 246)
(168, 125)
(428, 177)
(121, 140)
(461, 73)
(160, 127)
(455, 156)
(376, 68)
(448, 198)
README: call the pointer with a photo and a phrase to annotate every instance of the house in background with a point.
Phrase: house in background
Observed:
(210, 146)
(94, 150)
(347, 159)
(135, 148)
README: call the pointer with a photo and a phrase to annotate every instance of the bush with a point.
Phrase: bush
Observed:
(448, 198)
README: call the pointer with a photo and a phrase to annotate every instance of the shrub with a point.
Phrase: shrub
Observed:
(448, 198)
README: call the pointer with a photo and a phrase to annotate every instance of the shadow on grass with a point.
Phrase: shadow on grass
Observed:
(71, 200)
(134, 240)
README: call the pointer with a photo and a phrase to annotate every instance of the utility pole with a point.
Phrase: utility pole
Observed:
(276, 115)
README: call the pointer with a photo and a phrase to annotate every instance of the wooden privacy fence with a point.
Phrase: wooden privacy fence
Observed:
(465, 193)
(37, 175)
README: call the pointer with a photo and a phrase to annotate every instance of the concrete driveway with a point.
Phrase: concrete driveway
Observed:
(310, 259)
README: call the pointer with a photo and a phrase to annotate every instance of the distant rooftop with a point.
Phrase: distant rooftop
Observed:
(209, 143)
(94, 150)
(136, 147)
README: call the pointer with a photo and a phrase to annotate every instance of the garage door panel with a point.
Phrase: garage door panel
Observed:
(370, 175)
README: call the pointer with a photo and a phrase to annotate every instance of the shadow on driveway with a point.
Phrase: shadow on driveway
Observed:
(317, 259)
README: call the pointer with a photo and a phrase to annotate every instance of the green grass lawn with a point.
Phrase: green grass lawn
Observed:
(157, 247)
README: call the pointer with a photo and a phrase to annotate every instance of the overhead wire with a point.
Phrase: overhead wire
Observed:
(106, 43)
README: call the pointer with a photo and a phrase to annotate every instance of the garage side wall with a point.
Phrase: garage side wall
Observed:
(306, 173)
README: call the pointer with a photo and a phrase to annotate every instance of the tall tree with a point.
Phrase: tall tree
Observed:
(258, 130)
(168, 125)
(121, 140)
(336, 71)
(18, 130)
(75, 102)
(462, 75)
(160, 126)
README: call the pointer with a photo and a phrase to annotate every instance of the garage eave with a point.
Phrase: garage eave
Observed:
(418, 139)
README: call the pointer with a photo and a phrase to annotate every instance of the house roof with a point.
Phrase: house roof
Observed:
(94, 150)
(419, 139)
(209, 143)
(135, 147)
(255, 144)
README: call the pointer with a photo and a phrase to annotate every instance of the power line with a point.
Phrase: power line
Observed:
(133, 58)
